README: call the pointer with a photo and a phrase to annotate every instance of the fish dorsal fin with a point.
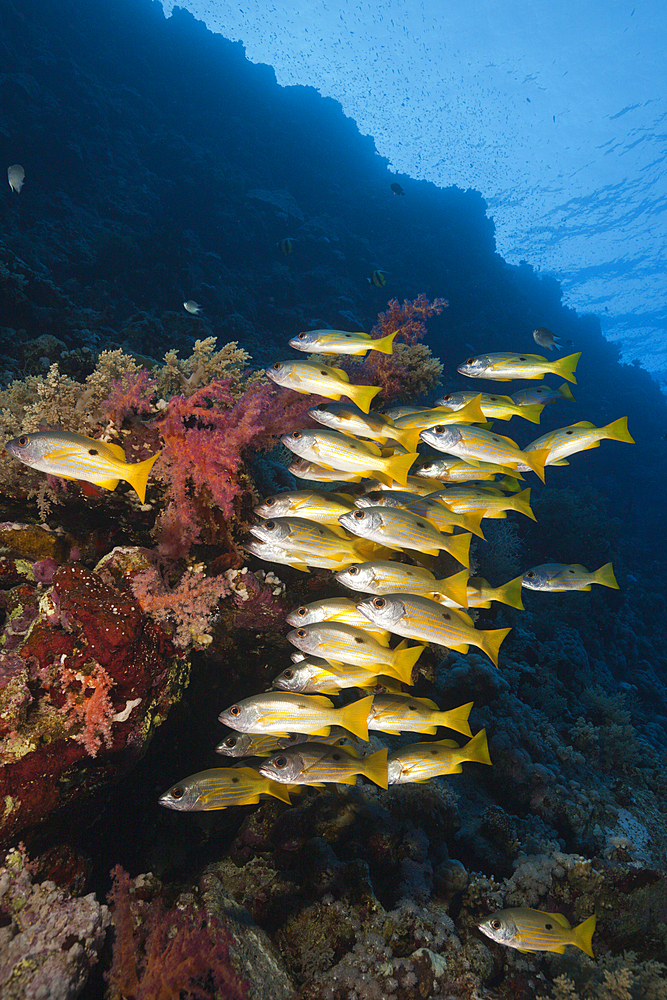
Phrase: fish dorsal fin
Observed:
(427, 702)
(559, 919)
(119, 452)
(319, 699)
(583, 423)
(341, 374)
(447, 743)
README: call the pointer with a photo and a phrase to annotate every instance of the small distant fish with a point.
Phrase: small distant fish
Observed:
(74, 456)
(339, 643)
(340, 342)
(505, 367)
(400, 529)
(385, 577)
(286, 245)
(192, 307)
(397, 713)
(545, 338)
(559, 576)
(418, 617)
(219, 788)
(396, 188)
(339, 451)
(543, 394)
(16, 177)
(313, 763)
(281, 712)
(421, 761)
(378, 278)
(535, 930)
(499, 407)
(581, 436)
(306, 377)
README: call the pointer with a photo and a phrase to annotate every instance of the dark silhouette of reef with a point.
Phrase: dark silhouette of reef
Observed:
(161, 167)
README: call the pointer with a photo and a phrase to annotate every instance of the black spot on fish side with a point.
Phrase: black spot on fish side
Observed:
(235, 781)
(93, 451)
(358, 639)
(548, 927)
(337, 756)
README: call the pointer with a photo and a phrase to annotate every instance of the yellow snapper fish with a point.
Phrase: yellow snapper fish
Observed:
(317, 763)
(399, 529)
(432, 509)
(398, 713)
(336, 609)
(413, 485)
(558, 576)
(254, 745)
(534, 930)
(494, 505)
(303, 469)
(418, 617)
(341, 342)
(422, 761)
(307, 377)
(325, 508)
(449, 469)
(301, 535)
(74, 456)
(497, 407)
(219, 788)
(300, 558)
(340, 452)
(505, 367)
(412, 424)
(282, 713)
(543, 394)
(339, 643)
(384, 577)
(475, 444)
(578, 437)
(349, 419)
(317, 676)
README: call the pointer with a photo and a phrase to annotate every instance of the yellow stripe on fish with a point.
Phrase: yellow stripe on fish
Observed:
(384, 577)
(325, 508)
(317, 676)
(475, 444)
(559, 577)
(422, 761)
(410, 425)
(417, 617)
(394, 713)
(496, 407)
(399, 529)
(432, 509)
(341, 342)
(578, 437)
(336, 609)
(307, 377)
(340, 452)
(535, 930)
(450, 469)
(313, 764)
(281, 713)
(221, 787)
(465, 500)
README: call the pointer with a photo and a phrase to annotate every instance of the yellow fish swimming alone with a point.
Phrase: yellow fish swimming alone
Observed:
(505, 367)
(534, 930)
(341, 342)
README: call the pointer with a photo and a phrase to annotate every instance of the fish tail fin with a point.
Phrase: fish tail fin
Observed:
(405, 659)
(491, 640)
(566, 367)
(532, 412)
(457, 719)
(605, 576)
(386, 346)
(458, 547)
(522, 504)
(473, 522)
(408, 438)
(566, 392)
(398, 466)
(362, 395)
(455, 588)
(617, 430)
(137, 475)
(509, 483)
(354, 717)
(375, 768)
(583, 935)
(510, 593)
(478, 748)
(536, 460)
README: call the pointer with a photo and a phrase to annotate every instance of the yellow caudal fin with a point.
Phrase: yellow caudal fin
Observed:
(137, 475)
(583, 936)
(398, 466)
(362, 395)
(537, 460)
(456, 719)
(566, 392)
(386, 346)
(521, 504)
(458, 547)
(478, 748)
(375, 768)
(354, 717)
(491, 640)
(532, 412)
(617, 430)
(566, 367)
(473, 522)
(455, 588)
(510, 593)
(405, 658)
(605, 576)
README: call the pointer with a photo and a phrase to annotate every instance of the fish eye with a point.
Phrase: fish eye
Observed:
(277, 366)
(495, 924)
(302, 336)
(448, 396)
(22, 441)
(301, 632)
(470, 361)
(439, 429)
(269, 525)
(178, 792)
(530, 574)
(235, 710)
(302, 611)
(379, 602)
(427, 465)
(230, 742)
(321, 407)
(353, 570)
(280, 761)
(295, 435)
(359, 514)
(269, 502)
(288, 674)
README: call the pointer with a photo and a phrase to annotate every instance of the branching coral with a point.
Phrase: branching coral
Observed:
(187, 606)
